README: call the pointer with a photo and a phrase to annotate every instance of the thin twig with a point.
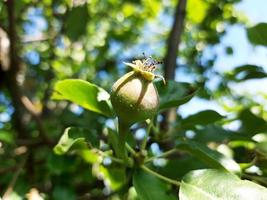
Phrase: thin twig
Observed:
(171, 181)
(36, 114)
(262, 180)
(14, 179)
(130, 149)
(38, 38)
(165, 154)
(144, 143)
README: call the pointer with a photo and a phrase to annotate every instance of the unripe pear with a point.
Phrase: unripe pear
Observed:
(134, 96)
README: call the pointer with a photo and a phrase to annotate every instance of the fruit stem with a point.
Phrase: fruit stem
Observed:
(123, 130)
(144, 143)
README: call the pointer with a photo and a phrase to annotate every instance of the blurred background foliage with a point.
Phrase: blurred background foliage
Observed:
(50, 40)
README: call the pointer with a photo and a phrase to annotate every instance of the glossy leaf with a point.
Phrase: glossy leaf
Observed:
(212, 184)
(149, 187)
(257, 34)
(85, 94)
(174, 94)
(210, 157)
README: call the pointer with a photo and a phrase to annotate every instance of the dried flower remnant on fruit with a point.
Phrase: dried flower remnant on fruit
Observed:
(134, 96)
(146, 68)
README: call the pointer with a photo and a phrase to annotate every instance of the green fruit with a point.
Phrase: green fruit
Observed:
(134, 98)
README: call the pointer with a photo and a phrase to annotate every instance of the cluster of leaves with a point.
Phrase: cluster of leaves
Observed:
(199, 153)
(196, 184)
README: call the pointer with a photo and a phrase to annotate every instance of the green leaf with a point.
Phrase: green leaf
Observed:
(63, 192)
(57, 165)
(72, 139)
(261, 144)
(246, 72)
(212, 184)
(196, 10)
(262, 147)
(76, 22)
(90, 156)
(185, 163)
(149, 187)
(216, 133)
(132, 195)
(211, 157)
(202, 118)
(84, 94)
(257, 34)
(113, 139)
(174, 94)
(113, 177)
(6, 136)
(251, 123)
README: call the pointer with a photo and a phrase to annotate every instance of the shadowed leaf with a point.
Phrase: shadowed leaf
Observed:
(174, 94)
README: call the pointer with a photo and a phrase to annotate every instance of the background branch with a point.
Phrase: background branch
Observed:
(170, 64)
(14, 179)
(174, 40)
(20, 102)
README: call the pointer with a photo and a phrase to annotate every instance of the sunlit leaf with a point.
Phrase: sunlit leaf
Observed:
(84, 94)
(128, 9)
(90, 156)
(113, 177)
(196, 10)
(211, 184)
(152, 6)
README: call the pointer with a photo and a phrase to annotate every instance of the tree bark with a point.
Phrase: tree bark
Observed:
(20, 102)
(170, 64)
(174, 40)
(12, 73)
